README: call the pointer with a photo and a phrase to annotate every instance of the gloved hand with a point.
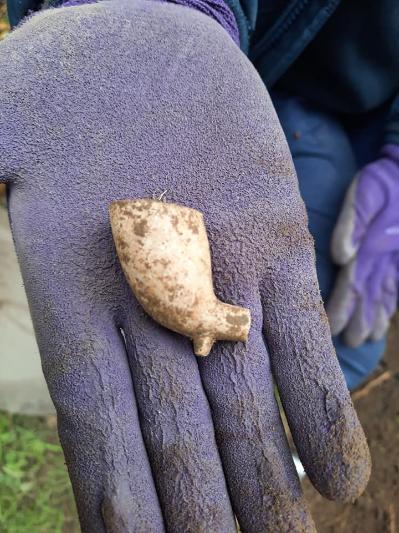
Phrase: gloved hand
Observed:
(125, 100)
(366, 243)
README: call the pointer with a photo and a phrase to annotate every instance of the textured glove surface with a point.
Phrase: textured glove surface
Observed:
(366, 244)
(125, 100)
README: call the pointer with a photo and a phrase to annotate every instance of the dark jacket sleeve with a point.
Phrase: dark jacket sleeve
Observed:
(18, 9)
(392, 126)
(245, 12)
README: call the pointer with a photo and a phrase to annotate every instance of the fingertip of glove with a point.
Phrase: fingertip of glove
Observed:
(343, 468)
(336, 325)
(342, 249)
(337, 320)
(115, 511)
(354, 337)
(341, 303)
(381, 325)
(120, 512)
(349, 485)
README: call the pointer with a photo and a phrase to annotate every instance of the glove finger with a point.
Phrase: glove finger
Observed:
(390, 291)
(386, 307)
(87, 371)
(363, 201)
(359, 326)
(343, 245)
(381, 324)
(177, 427)
(261, 476)
(370, 280)
(342, 301)
(328, 436)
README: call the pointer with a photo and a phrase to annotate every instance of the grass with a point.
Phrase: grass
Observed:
(35, 492)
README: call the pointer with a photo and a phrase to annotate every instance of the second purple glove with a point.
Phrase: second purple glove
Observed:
(366, 244)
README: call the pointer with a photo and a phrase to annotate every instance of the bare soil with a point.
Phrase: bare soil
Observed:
(377, 404)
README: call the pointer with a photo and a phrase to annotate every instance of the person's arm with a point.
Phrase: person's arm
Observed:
(119, 100)
(391, 133)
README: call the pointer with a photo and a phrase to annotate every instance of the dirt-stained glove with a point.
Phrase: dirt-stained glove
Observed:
(126, 100)
(366, 243)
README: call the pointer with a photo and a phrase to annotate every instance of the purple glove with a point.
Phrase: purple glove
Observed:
(366, 243)
(125, 100)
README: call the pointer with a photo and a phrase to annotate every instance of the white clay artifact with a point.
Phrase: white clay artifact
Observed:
(164, 252)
